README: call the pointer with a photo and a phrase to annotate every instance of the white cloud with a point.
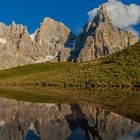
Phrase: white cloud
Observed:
(93, 13)
(123, 16)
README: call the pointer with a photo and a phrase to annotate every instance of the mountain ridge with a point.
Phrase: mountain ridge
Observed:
(18, 47)
(53, 41)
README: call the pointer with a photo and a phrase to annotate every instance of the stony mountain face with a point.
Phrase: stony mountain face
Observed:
(100, 37)
(53, 121)
(52, 41)
(14, 45)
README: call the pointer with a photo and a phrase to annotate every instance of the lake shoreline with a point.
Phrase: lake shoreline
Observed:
(122, 101)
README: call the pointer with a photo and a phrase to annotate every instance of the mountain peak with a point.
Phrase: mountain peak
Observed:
(102, 16)
(48, 19)
(100, 37)
(13, 23)
(2, 24)
(104, 7)
(103, 13)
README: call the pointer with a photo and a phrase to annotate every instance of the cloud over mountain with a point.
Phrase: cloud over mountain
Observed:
(123, 16)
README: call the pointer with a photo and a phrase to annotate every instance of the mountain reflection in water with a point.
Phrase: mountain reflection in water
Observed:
(62, 122)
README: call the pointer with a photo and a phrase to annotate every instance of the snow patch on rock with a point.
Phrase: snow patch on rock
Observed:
(3, 41)
(50, 57)
(51, 105)
(33, 35)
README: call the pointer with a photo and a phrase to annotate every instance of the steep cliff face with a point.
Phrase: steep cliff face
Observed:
(52, 41)
(100, 37)
(53, 121)
(14, 43)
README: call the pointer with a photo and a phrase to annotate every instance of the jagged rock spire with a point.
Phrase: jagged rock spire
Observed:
(100, 37)
(103, 14)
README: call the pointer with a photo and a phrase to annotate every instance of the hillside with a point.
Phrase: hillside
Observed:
(121, 69)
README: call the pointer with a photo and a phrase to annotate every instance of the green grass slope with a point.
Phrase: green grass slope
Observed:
(121, 69)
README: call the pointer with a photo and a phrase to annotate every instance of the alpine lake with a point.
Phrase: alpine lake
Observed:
(60, 113)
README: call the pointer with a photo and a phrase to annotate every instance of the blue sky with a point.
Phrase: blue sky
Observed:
(73, 13)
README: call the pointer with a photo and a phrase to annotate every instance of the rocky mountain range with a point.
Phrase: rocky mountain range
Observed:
(53, 41)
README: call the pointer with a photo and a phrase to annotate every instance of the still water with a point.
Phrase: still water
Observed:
(56, 121)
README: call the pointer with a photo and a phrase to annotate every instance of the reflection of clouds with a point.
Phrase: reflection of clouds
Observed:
(134, 135)
(77, 134)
